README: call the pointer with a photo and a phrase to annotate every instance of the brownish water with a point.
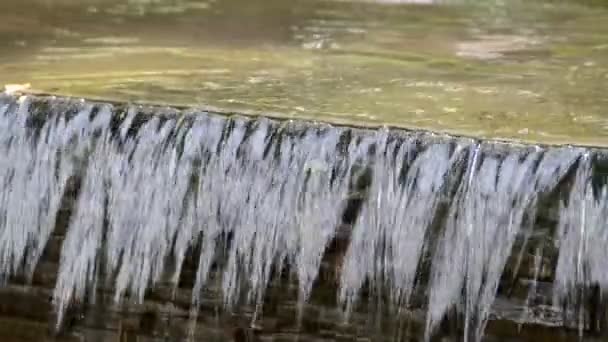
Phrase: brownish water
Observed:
(530, 70)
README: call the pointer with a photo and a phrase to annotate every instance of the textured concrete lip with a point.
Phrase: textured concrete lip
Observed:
(192, 110)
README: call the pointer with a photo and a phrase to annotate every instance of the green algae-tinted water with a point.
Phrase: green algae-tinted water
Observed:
(528, 70)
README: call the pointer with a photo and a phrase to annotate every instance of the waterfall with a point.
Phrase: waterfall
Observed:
(426, 215)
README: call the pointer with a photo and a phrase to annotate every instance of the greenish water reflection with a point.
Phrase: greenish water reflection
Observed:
(528, 70)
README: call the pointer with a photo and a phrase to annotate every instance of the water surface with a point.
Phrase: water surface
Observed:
(527, 70)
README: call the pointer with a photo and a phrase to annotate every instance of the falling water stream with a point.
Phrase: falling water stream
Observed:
(438, 215)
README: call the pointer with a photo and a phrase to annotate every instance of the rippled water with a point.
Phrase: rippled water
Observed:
(532, 70)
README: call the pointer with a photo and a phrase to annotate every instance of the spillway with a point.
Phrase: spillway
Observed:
(423, 235)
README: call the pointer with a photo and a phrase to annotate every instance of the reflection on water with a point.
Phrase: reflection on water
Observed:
(532, 70)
